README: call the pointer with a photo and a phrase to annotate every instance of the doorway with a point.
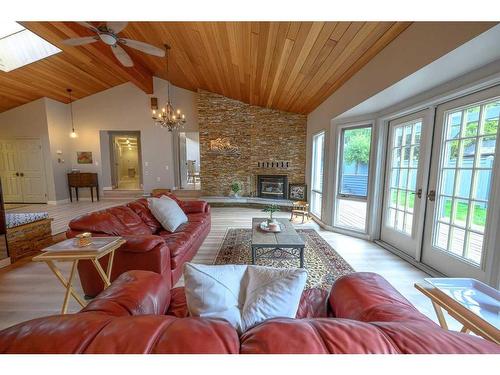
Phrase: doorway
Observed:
(189, 160)
(126, 172)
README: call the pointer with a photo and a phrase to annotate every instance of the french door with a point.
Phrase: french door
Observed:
(403, 207)
(462, 210)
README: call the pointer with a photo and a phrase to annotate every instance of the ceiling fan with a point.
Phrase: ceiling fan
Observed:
(108, 34)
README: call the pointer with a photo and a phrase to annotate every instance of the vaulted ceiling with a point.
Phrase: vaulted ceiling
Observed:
(292, 66)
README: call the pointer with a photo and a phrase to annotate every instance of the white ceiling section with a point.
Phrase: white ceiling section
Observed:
(19, 47)
(478, 52)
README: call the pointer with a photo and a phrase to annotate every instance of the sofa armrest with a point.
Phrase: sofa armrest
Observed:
(134, 293)
(142, 244)
(195, 207)
(368, 297)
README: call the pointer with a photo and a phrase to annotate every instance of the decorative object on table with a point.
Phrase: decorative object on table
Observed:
(66, 251)
(83, 239)
(86, 180)
(323, 264)
(472, 303)
(300, 208)
(27, 233)
(108, 33)
(73, 133)
(271, 209)
(167, 118)
(272, 227)
(84, 157)
(297, 192)
(236, 188)
(223, 146)
(257, 293)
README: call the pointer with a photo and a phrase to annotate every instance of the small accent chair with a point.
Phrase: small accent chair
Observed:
(300, 208)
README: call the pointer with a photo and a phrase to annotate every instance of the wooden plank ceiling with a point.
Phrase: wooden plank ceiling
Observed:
(292, 66)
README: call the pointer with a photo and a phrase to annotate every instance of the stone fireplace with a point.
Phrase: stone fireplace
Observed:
(272, 186)
(240, 142)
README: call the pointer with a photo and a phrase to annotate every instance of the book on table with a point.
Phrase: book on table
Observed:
(97, 245)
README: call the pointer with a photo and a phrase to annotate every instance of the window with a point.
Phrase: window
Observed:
(318, 151)
(353, 172)
(19, 47)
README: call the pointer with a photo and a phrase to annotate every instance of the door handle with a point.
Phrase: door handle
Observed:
(432, 195)
(22, 174)
(419, 193)
(17, 174)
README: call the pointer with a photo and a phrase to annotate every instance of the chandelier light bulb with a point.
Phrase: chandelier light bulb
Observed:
(73, 134)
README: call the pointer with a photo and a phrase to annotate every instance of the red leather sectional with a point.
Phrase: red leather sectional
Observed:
(139, 313)
(149, 247)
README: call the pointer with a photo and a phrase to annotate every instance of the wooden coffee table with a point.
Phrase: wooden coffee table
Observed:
(67, 251)
(267, 245)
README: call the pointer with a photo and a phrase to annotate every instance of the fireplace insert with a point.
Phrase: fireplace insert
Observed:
(272, 186)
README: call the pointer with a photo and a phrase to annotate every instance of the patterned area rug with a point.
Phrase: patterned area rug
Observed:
(323, 264)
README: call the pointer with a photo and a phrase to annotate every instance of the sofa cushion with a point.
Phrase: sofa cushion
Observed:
(140, 207)
(114, 221)
(243, 295)
(167, 212)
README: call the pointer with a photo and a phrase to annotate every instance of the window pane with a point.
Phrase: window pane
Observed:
(486, 151)
(412, 180)
(471, 122)
(482, 183)
(457, 241)
(448, 181)
(461, 209)
(391, 219)
(408, 223)
(355, 161)
(444, 211)
(464, 178)
(394, 177)
(394, 198)
(317, 162)
(410, 201)
(478, 219)
(316, 203)
(475, 248)
(467, 151)
(442, 234)
(351, 214)
(454, 123)
(414, 156)
(490, 125)
(451, 153)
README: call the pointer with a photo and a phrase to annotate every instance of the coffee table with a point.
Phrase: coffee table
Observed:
(268, 245)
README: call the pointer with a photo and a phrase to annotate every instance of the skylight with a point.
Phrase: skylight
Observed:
(19, 47)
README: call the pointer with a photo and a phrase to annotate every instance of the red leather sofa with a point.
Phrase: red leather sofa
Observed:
(139, 313)
(149, 246)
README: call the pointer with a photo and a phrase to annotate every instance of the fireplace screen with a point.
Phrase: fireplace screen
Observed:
(274, 187)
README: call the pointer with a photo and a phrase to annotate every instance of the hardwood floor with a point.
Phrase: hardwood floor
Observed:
(29, 290)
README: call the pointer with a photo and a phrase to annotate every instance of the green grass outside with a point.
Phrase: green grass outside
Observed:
(479, 214)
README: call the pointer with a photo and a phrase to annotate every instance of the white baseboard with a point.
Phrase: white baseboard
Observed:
(61, 201)
(107, 188)
(4, 262)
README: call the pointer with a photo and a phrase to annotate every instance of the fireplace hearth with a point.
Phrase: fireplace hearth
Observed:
(272, 186)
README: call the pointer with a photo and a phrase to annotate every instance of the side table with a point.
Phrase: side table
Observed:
(67, 251)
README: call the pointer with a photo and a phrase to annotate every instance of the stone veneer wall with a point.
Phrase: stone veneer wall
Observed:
(260, 134)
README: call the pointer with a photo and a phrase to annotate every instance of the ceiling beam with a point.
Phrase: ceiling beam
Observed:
(99, 53)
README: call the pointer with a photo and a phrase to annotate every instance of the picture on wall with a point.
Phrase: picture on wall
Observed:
(84, 157)
(297, 192)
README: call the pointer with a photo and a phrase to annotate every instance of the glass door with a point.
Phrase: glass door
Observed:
(459, 240)
(318, 151)
(402, 208)
(353, 177)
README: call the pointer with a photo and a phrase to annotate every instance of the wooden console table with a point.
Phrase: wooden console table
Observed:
(87, 180)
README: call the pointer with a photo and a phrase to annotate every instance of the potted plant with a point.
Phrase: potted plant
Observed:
(236, 188)
(272, 208)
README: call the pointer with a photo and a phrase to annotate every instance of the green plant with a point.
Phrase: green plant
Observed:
(272, 208)
(236, 187)
(357, 146)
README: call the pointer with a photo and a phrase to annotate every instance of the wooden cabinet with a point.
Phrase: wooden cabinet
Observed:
(85, 180)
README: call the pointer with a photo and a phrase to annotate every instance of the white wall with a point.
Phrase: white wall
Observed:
(420, 44)
(127, 108)
(30, 121)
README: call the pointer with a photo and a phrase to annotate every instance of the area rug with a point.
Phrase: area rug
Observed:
(323, 264)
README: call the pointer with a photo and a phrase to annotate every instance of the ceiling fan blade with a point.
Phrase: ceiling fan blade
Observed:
(122, 56)
(143, 47)
(116, 27)
(80, 41)
(88, 26)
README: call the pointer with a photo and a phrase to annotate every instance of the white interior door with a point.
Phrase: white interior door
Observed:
(9, 172)
(461, 222)
(31, 170)
(406, 162)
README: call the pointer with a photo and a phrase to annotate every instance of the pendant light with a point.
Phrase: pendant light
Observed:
(73, 133)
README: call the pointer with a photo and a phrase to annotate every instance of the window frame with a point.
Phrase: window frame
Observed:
(315, 136)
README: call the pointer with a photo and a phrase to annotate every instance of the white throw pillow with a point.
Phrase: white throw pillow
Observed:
(167, 212)
(243, 295)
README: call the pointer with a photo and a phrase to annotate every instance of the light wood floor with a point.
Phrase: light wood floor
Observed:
(29, 290)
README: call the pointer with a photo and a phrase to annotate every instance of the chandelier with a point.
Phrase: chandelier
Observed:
(167, 117)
